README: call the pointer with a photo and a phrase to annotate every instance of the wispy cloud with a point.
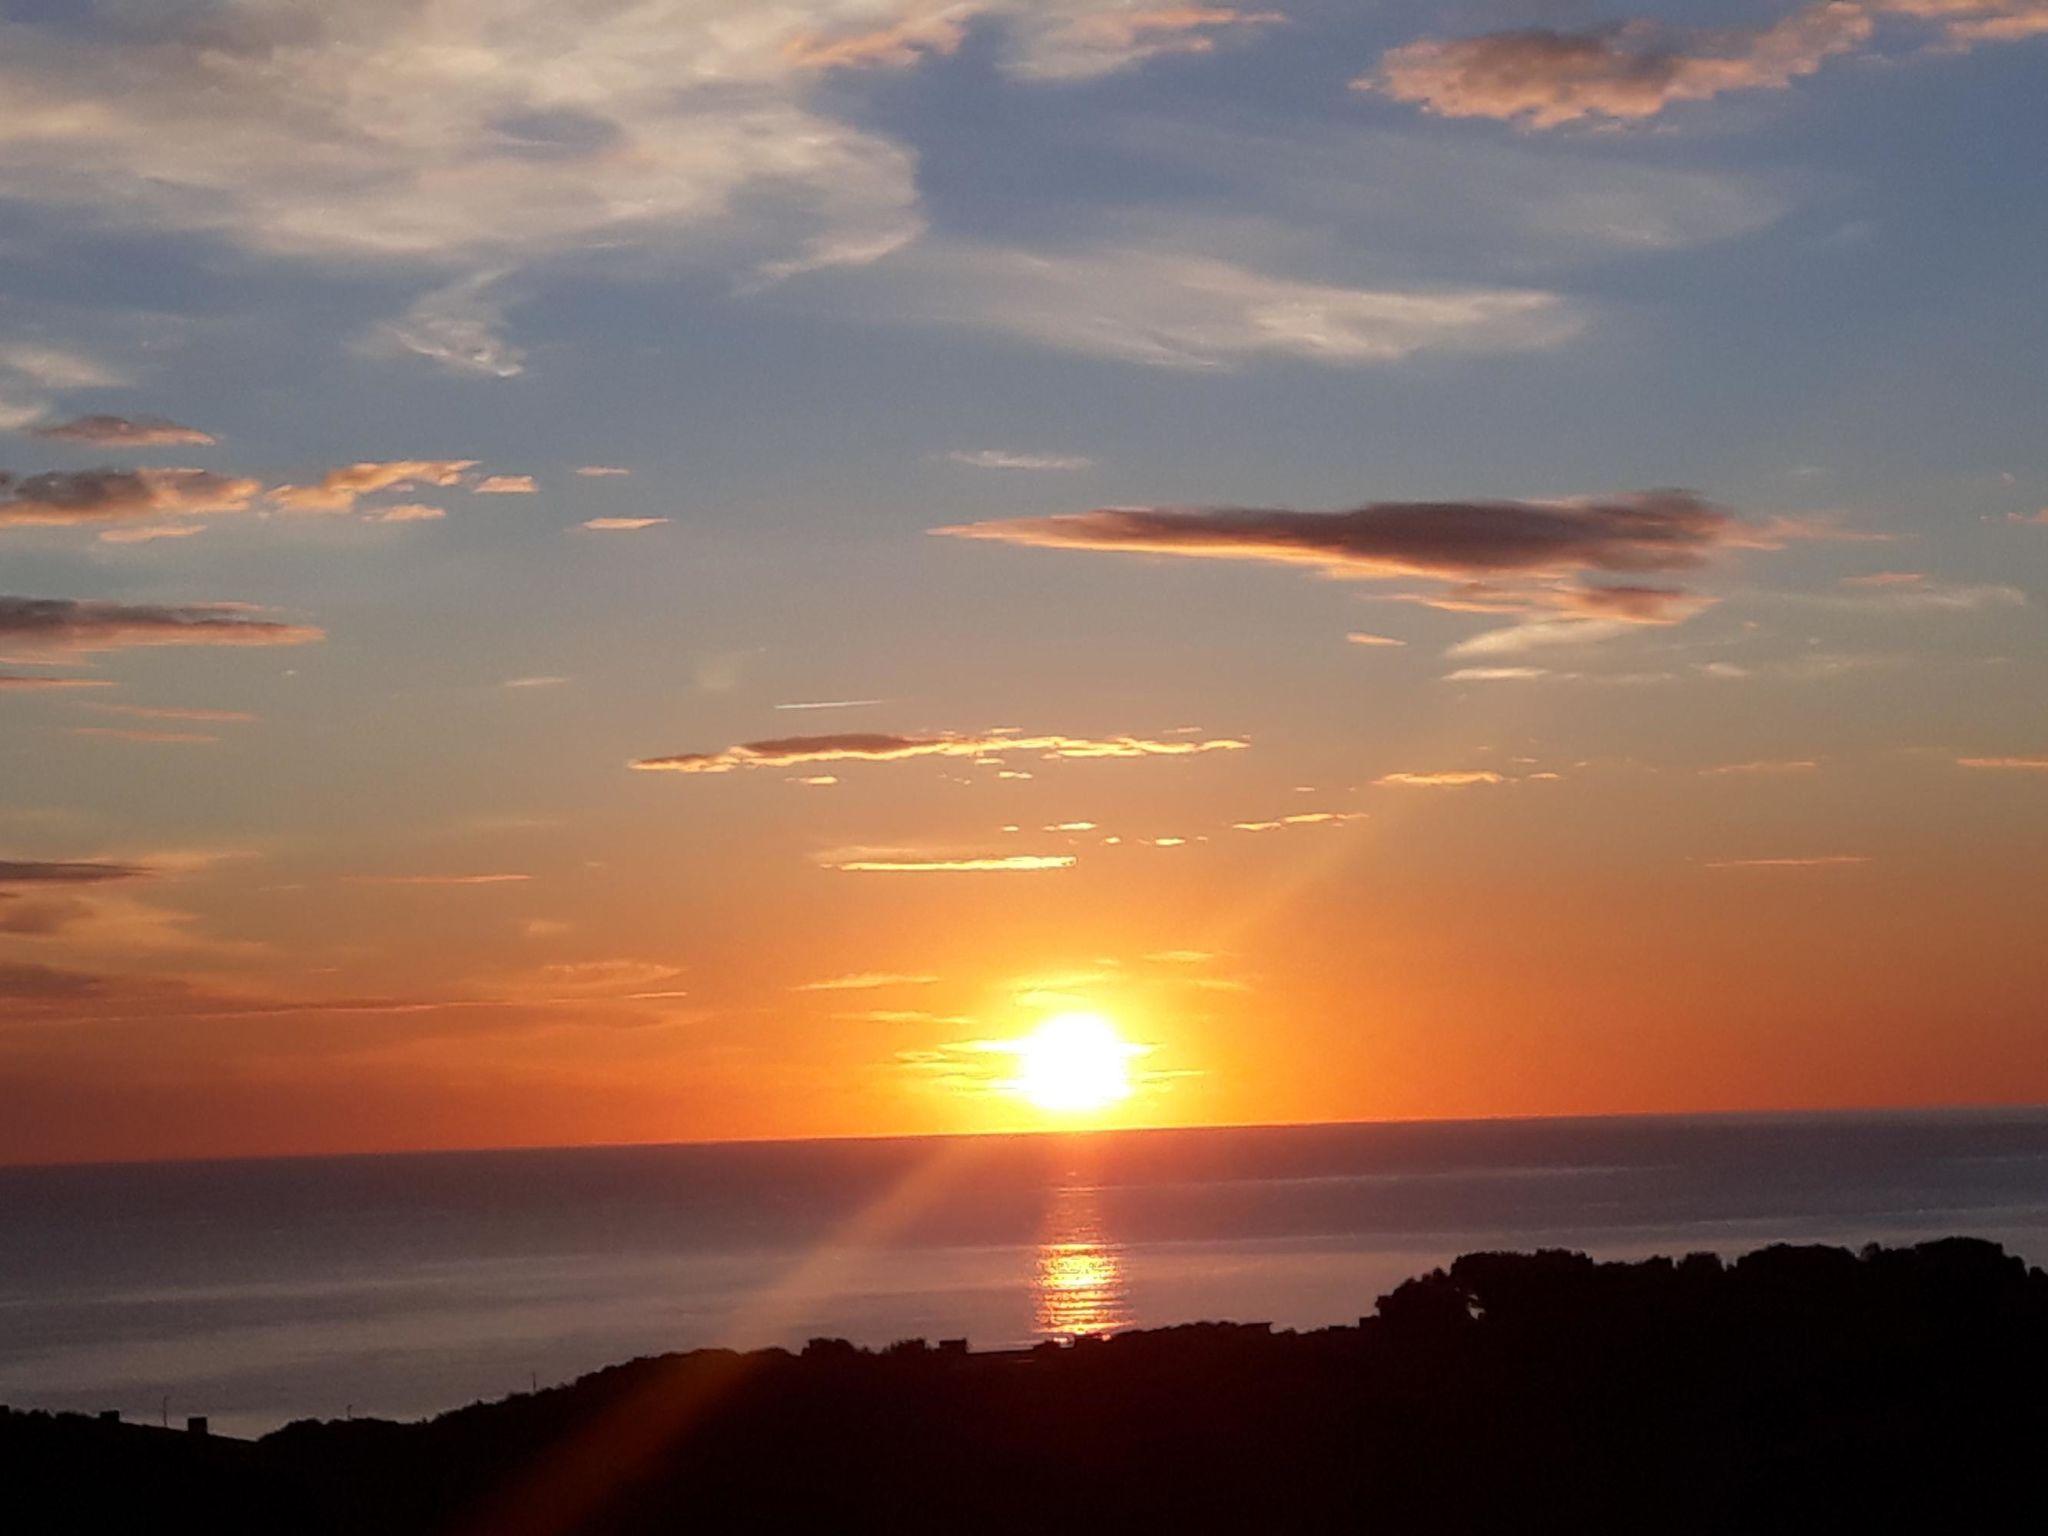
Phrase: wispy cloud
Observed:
(166, 738)
(621, 524)
(120, 495)
(164, 712)
(1763, 767)
(1637, 531)
(61, 625)
(601, 471)
(1170, 308)
(19, 872)
(884, 747)
(2005, 764)
(1300, 819)
(1633, 70)
(1000, 458)
(458, 328)
(407, 512)
(990, 864)
(1441, 778)
(463, 879)
(1809, 861)
(126, 432)
(504, 485)
(831, 704)
(866, 981)
(1364, 637)
(339, 489)
(26, 683)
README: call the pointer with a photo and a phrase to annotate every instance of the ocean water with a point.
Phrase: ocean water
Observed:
(259, 1292)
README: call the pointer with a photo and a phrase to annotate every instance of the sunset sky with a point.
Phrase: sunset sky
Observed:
(616, 570)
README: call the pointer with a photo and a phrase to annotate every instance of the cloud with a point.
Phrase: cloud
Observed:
(2006, 764)
(1915, 592)
(538, 680)
(62, 497)
(119, 733)
(884, 747)
(16, 680)
(1581, 614)
(477, 879)
(621, 524)
(1363, 637)
(865, 981)
(339, 489)
(1813, 861)
(149, 533)
(1015, 863)
(1000, 458)
(1633, 70)
(1763, 766)
(38, 872)
(1085, 39)
(1497, 675)
(156, 712)
(832, 704)
(458, 328)
(407, 512)
(63, 625)
(1300, 819)
(1047, 40)
(504, 485)
(1629, 71)
(28, 371)
(600, 471)
(1167, 307)
(2038, 519)
(126, 432)
(1450, 778)
(589, 978)
(1636, 531)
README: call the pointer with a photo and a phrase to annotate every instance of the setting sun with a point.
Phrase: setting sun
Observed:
(1074, 1061)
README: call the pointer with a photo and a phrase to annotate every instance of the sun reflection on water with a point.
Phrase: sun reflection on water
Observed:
(1079, 1284)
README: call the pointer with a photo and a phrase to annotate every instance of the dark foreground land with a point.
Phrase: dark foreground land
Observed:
(1797, 1389)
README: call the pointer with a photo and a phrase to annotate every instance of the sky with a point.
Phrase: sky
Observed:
(626, 570)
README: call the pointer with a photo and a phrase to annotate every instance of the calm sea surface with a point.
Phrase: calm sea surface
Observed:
(257, 1292)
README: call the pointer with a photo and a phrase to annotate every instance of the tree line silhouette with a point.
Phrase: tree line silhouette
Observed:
(1796, 1389)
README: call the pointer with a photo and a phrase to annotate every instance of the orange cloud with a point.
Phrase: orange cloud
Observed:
(1362, 637)
(1638, 531)
(1624, 72)
(2006, 764)
(1816, 861)
(865, 981)
(339, 489)
(126, 432)
(1456, 778)
(120, 733)
(1764, 766)
(64, 624)
(621, 524)
(882, 747)
(13, 680)
(486, 879)
(64, 497)
(503, 485)
(1016, 863)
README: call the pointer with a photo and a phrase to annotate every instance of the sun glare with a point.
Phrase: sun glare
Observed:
(1074, 1062)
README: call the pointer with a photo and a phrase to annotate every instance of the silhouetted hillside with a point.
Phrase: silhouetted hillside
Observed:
(1797, 1389)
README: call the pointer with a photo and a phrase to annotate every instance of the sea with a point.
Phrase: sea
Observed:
(398, 1286)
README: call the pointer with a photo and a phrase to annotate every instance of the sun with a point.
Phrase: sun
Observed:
(1074, 1062)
